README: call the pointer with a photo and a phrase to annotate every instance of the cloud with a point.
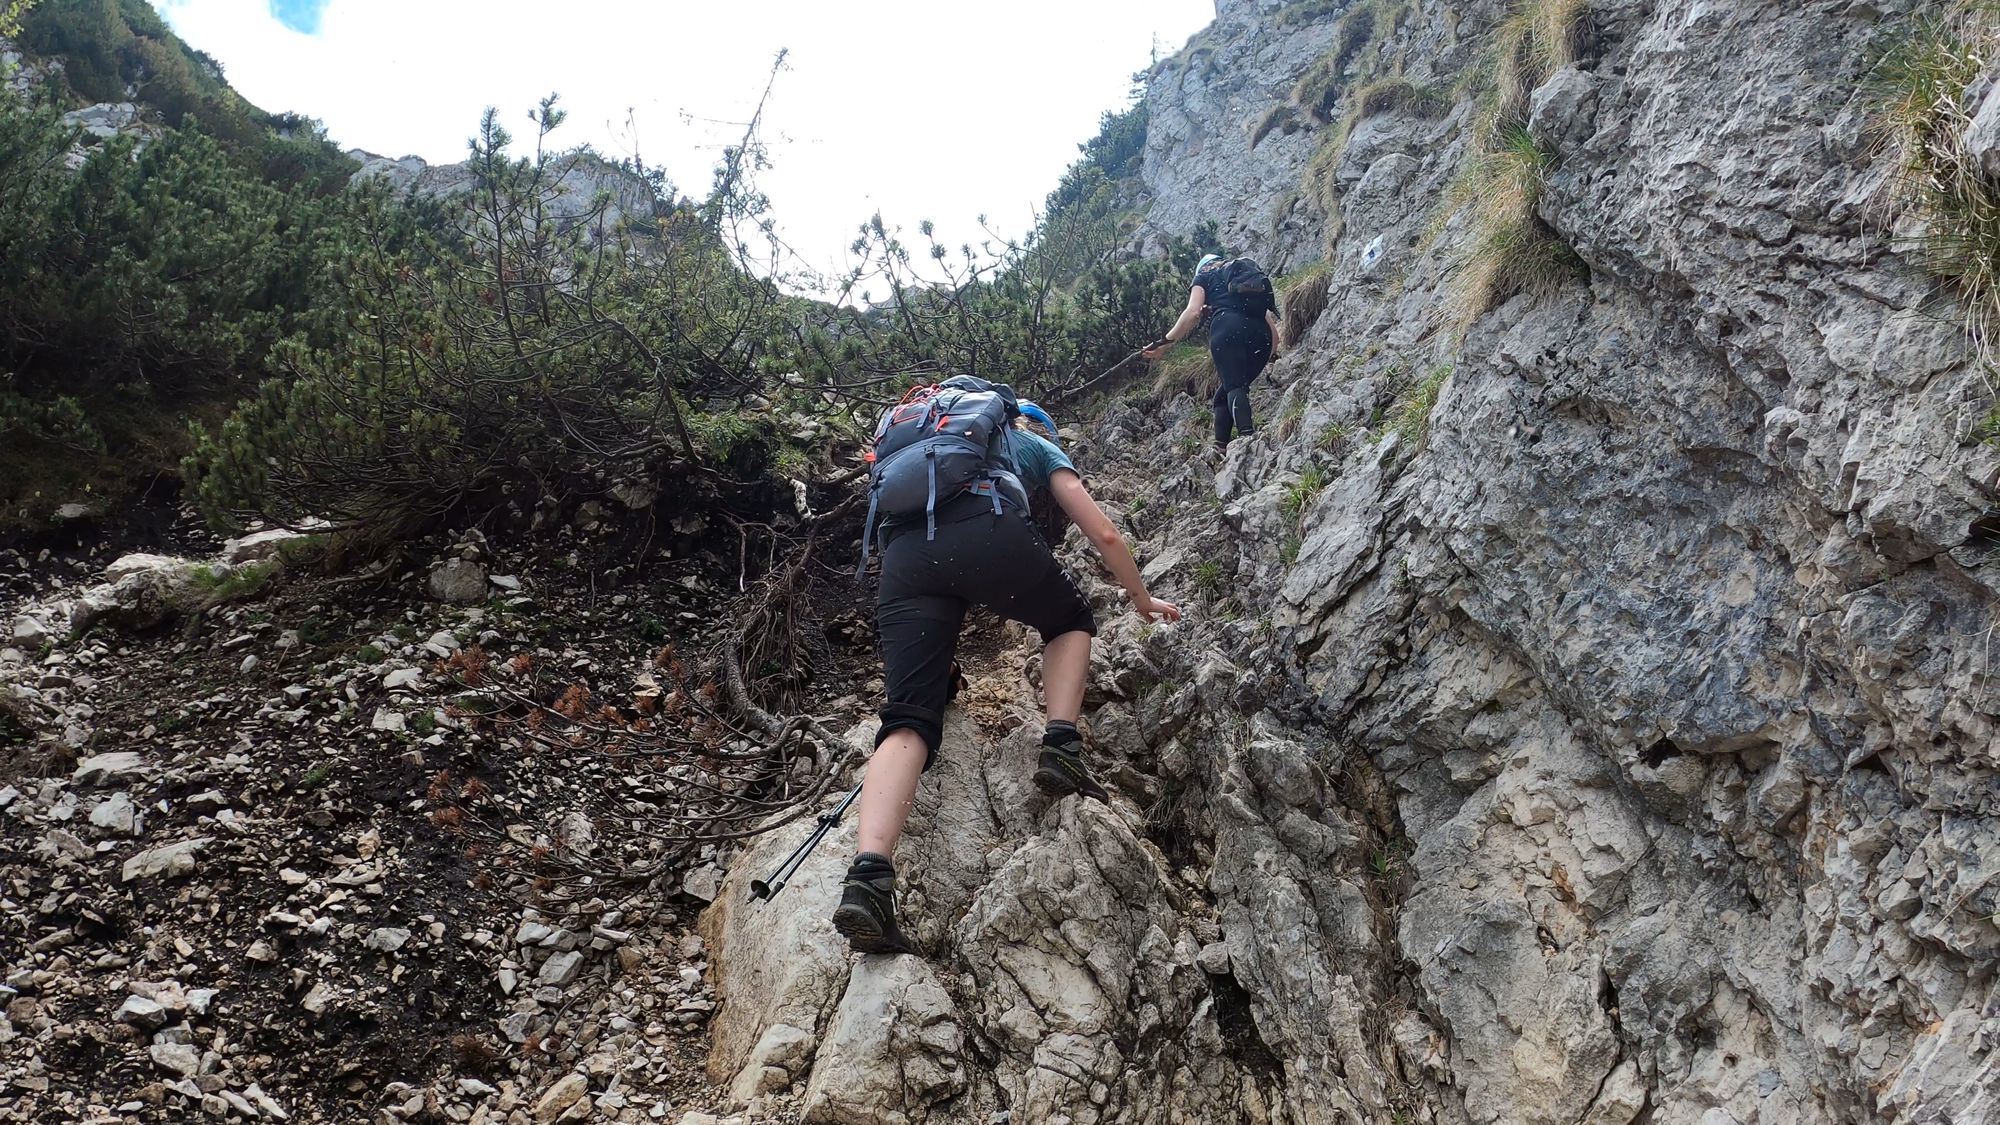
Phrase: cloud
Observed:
(915, 108)
(300, 15)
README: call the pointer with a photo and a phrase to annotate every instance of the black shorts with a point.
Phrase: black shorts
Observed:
(1000, 562)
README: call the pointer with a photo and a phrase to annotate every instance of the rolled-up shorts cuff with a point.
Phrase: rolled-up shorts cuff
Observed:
(928, 724)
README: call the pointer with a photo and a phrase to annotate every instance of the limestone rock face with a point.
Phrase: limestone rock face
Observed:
(1588, 714)
(574, 197)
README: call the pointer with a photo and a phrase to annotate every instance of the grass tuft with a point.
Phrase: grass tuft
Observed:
(1508, 249)
(1282, 117)
(229, 584)
(1922, 116)
(1185, 369)
(1412, 415)
(1400, 95)
(1208, 580)
(1302, 492)
(1539, 38)
(1302, 298)
(1318, 90)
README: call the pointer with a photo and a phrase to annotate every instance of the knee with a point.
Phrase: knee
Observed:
(924, 722)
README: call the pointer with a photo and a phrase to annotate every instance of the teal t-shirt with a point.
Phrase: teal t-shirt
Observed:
(1037, 458)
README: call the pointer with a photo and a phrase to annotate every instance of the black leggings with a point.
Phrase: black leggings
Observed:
(1240, 347)
(1000, 562)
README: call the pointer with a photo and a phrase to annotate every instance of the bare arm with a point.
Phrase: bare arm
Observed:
(1277, 333)
(1190, 316)
(1103, 534)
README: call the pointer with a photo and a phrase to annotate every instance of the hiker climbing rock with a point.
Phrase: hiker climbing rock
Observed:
(950, 478)
(1242, 312)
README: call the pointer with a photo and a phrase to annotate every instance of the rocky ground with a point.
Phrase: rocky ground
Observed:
(275, 849)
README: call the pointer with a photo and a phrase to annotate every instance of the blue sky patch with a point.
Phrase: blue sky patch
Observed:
(300, 15)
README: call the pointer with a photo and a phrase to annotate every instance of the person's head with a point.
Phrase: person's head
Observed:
(1035, 418)
(1207, 260)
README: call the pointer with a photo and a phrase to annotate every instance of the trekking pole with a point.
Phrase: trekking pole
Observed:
(765, 888)
(1109, 372)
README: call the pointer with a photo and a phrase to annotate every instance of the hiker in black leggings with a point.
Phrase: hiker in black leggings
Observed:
(1242, 339)
(997, 560)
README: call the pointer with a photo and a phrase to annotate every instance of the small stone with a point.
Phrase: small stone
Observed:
(315, 1000)
(459, 580)
(249, 665)
(560, 968)
(567, 1091)
(116, 815)
(180, 1058)
(509, 980)
(402, 678)
(114, 766)
(169, 861)
(703, 883)
(386, 939)
(263, 1101)
(141, 1012)
(474, 1088)
(388, 720)
(1213, 959)
(261, 952)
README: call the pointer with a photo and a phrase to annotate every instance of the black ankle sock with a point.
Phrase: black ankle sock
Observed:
(871, 865)
(1061, 732)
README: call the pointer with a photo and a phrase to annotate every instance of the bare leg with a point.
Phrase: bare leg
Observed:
(1065, 667)
(888, 790)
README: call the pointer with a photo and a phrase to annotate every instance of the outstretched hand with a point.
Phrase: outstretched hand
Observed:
(1152, 609)
(1156, 351)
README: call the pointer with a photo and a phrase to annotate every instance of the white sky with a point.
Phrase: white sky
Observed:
(940, 109)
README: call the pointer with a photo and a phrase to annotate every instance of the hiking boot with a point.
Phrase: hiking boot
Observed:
(866, 916)
(1062, 772)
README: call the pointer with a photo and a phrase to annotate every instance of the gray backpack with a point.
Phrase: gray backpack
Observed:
(941, 440)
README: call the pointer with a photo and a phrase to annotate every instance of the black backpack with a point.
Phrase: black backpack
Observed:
(1245, 286)
(941, 440)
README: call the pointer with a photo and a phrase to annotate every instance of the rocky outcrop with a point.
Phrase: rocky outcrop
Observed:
(1606, 731)
(1086, 962)
(585, 179)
